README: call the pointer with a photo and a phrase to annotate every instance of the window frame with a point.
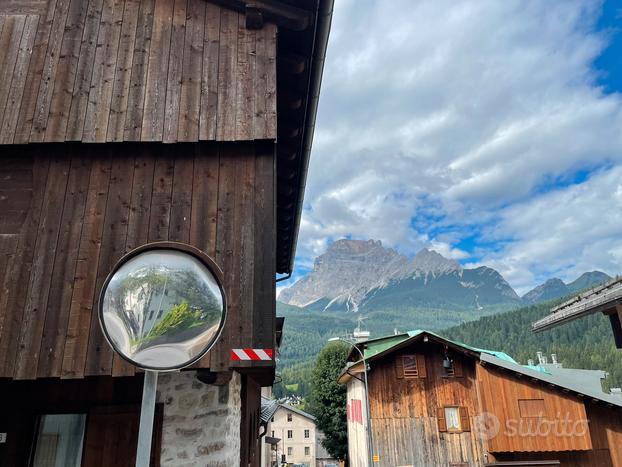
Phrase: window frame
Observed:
(290, 434)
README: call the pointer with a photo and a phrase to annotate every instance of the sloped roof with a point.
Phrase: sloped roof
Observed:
(270, 406)
(595, 300)
(298, 411)
(376, 348)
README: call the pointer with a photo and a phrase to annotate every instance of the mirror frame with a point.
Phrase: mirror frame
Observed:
(203, 258)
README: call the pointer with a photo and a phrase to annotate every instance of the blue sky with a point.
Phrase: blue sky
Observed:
(488, 131)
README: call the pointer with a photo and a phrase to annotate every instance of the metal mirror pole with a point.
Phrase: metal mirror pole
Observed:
(147, 412)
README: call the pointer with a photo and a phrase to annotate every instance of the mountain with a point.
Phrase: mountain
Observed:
(555, 288)
(355, 275)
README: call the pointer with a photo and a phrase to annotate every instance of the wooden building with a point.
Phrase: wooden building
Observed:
(126, 122)
(606, 299)
(435, 402)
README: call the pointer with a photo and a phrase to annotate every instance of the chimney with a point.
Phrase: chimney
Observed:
(530, 362)
(554, 358)
(540, 356)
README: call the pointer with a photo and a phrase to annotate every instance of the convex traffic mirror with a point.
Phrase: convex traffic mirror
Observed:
(163, 306)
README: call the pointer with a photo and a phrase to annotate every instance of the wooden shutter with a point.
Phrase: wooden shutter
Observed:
(421, 366)
(464, 419)
(442, 423)
(399, 367)
(457, 365)
(410, 367)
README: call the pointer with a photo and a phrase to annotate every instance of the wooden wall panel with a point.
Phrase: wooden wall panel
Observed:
(135, 70)
(91, 204)
(404, 412)
(499, 394)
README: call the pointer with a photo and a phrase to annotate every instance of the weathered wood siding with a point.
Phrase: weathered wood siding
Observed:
(76, 209)
(404, 412)
(500, 394)
(133, 70)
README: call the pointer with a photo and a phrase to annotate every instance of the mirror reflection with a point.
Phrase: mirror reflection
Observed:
(162, 309)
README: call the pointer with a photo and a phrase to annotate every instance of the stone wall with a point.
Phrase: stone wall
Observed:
(201, 422)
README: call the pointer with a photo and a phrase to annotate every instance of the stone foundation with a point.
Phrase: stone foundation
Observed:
(201, 424)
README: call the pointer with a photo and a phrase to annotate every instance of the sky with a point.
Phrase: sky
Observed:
(487, 130)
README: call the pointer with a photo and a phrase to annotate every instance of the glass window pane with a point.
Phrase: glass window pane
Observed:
(452, 417)
(59, 441)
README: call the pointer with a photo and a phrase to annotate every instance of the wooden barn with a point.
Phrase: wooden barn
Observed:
(435, 402)
(127, 122)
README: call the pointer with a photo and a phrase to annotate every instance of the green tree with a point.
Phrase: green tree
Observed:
(329, 398)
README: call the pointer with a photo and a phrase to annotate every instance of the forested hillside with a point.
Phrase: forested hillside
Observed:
(585, 343)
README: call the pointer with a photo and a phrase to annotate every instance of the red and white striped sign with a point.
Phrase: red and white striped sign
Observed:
(251, 354)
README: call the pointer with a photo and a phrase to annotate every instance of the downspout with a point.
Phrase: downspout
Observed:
(324, 20)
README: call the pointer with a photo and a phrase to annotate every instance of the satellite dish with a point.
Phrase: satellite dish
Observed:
(163, 306)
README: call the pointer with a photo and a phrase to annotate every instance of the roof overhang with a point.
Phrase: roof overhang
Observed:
(605, 299)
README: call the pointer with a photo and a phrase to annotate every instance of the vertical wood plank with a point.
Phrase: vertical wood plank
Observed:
(66, 74)
(81, 310)
(160, 212)
(33, 78)
(102, 79)
(63, 274)
(99, 355)
(244, 93)
(209, 74)
(181, 201)
(18, 271)
(264, 298)
(136, 92)
(244, 251)
(31, 332)
(264, 124)
(157, 72)
(190, 95)
(16, 91)
(227, 179)
(227, 61)
(205, 198)
(175, 65)
(48, 76)
(10, 39)
(123, 73)
(84, 72)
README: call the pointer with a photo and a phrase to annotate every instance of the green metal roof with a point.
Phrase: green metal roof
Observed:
(380, 345)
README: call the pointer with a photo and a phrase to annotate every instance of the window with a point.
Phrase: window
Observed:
(59, 440)
(290, 434)
(272, 433)
(410, 366)
(289, 417)
(531, 408)
(306, 433)
(290, 451)
(307, 451)
(454, 370)
(453, 419)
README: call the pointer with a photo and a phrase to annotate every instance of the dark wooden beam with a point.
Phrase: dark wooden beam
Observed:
(279, 13)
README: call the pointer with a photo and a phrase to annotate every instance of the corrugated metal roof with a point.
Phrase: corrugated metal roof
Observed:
(268, 408)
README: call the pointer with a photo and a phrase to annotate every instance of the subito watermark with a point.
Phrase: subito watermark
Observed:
(487, 426)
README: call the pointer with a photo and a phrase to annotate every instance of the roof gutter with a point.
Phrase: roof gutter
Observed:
(324, 20)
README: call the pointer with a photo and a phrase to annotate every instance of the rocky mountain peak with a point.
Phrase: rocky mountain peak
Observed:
(429, 261)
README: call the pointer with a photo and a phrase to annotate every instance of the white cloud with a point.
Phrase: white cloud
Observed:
(465, 110)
